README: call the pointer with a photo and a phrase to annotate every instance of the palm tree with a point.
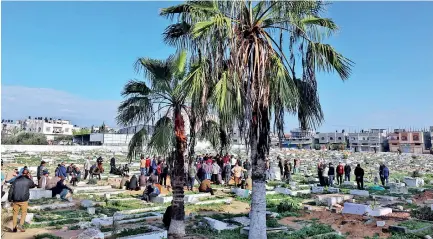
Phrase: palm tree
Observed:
(250, 38)
(164, 92)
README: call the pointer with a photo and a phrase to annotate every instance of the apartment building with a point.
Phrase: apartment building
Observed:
(299, 138)
(48, 126)
(332, 140)
(366, 141)
(406, 142)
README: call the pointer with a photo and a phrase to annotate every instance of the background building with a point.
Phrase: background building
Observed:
(366, 141)
(332, 140)
(9, 127)
(299, 138)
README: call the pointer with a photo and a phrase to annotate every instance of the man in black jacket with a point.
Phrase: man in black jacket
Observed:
(62, 189)
(41, 168)
(112, 165)
(359, 174)
(347, 171)
(20, 198)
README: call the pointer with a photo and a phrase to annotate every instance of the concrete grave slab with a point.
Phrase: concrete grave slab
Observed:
(38, 193)
(356, 209)
(219, 225)
(363, 193)
(380, 212)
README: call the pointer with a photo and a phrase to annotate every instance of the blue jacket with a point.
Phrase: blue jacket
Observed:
(385, 172)
(154, 164)
(61, 172)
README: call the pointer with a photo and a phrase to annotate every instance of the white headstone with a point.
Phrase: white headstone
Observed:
(357, 209)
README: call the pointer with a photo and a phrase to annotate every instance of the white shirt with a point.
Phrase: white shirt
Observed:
(233, 161)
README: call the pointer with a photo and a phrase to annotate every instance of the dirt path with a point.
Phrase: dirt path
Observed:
(352, 225)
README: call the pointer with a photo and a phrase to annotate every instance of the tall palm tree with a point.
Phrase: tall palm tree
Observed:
(164, 92)
(250, 38)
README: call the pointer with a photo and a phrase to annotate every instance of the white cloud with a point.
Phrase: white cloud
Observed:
(19, 102)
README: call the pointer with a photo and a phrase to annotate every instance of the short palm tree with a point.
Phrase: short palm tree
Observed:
(262, 44)
(164, 94)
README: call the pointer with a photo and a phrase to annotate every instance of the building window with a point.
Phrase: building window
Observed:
(48, 129)
(323, 138)
(363, 138)
(353, 138)
(331, 138)
(339, 138)
(40, 129)
(415, 137)
(404, 138)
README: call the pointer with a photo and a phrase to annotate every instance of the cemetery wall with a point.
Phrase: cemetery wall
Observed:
(77, 148)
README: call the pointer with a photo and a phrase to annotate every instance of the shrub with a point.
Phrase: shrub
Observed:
(288, 206)
(25, 138)
(423, 213)
(46, 236)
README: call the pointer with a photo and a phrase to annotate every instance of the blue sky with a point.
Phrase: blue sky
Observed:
(71, 59)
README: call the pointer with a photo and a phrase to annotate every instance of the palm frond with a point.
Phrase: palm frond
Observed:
(162, 139)
(326, 58)
(137, 143)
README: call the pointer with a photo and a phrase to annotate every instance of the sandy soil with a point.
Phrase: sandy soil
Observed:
(352, 224)
(420, 198)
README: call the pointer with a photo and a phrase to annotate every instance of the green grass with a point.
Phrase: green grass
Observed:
(414, 225)
(222, 216)
(135, 231)
(46, 236)
(309, 231)
(207, 207)
(272, 222)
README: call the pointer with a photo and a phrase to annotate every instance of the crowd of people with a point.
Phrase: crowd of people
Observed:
(206, 169)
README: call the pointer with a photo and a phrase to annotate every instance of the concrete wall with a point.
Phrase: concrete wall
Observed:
(77, 148)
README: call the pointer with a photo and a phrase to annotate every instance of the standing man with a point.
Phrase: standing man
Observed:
(191, 177)
(347, 171)
(227, 173)
(320, 172)
(233, 161)
(281, 166)
(143, 168)
(87, 166)
(148, 162)
(340, 172)
(237, 172)
(41, 168)
(247, 166)
(331, 174)
(20, 199)
(359, 175)
(384, 176)
(112, 164)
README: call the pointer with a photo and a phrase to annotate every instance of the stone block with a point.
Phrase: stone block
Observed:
(413, 182)
(218, 225)
(380, 212)
(300, 192)
(194, 197)
(87, 203)
(245, 221)
(38, 193)
(317, 189)
(362, 193)
(91, 210)
(243, 193)
(333, 190)
(160, 199)
(285, 191)
(380, 223)
(356, 209)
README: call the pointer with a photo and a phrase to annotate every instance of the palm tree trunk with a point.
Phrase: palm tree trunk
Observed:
(259, 143)
(177, 225)
(192, 133)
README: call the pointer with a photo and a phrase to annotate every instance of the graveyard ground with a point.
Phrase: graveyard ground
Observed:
(296, 209)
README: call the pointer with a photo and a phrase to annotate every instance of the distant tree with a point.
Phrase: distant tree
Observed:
(81, 131)
(25, 138)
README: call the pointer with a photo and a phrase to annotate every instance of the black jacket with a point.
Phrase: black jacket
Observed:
(359, 172)
(331, 171)
(21, 188)
(59, 188)
(347, 169)
(133, 183)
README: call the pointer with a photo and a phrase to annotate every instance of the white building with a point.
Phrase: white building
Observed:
(8, 127)
(366, 141)
(50, 127)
